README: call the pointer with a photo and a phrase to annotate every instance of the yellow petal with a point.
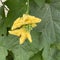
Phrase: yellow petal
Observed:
(17, 23)
(31, 19)
(29, 37)
(15, 32)
(22, 38)
(26, 19)
(34, 25)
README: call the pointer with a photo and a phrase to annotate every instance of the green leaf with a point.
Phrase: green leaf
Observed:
(56, 45)
(50, 24)
(21, 54)
(56, 55)
(37, 56)
(3, 53)
(48, 53)
(40, 3)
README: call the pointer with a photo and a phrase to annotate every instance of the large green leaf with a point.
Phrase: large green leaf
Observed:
(21, 54)
(50, 25)
(27, 49)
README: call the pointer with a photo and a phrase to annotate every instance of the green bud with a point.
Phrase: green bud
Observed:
(28, 27)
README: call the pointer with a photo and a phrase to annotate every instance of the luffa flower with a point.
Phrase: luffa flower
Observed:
(22, 27)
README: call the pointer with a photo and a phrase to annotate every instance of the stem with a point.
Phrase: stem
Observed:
(27, 3)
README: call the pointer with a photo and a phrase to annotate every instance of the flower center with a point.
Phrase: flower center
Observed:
(28, 27)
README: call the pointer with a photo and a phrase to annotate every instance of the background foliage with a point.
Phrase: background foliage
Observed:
(46, 36)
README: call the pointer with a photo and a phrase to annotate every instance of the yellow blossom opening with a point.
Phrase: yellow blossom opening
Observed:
(26, 19)
(25, 25)
(22, 33)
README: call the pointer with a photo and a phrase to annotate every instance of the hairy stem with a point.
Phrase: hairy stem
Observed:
(27, 3)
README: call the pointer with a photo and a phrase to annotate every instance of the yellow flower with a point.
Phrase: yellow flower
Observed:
(26, 19)
(22, 27)
(23, 34)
